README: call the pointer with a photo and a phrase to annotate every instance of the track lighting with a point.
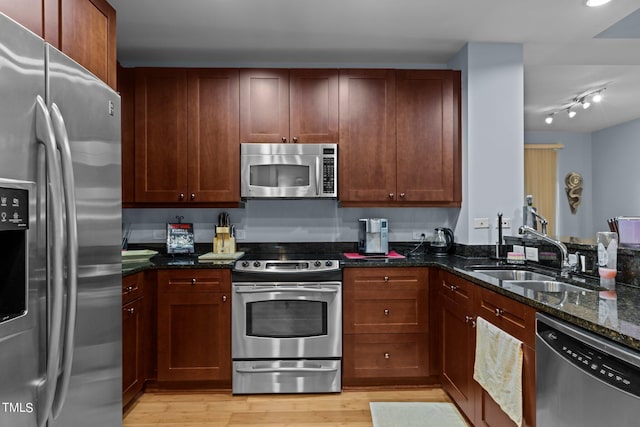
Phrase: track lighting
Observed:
(584, 100)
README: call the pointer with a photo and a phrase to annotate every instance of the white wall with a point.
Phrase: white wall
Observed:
(576, 156)
(493, 133)
(616, 173)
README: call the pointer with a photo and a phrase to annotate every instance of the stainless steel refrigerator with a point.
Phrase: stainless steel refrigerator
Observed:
(60, 237)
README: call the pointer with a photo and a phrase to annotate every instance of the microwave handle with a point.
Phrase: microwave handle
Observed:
(318, 176)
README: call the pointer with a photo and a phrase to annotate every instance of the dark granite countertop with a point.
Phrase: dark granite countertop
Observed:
(612, 313)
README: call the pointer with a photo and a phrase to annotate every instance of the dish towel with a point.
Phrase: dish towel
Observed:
(498, 367)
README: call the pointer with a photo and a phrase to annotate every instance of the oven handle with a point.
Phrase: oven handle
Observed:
(265, 290)
(266, 370)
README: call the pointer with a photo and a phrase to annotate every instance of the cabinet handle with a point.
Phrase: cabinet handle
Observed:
(391, 195)
(181, 196)
(224, 298)
(499, 312)
(295, 139)
(470, 319)
(386, 278)
(386, 311)
(193, 196)
(453, 288)
(284, 140)
(193, 282)
(387, 356)
(402, 195)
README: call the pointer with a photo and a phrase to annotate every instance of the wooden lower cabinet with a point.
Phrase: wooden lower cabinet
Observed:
(385, 325)
(133, 335)
(460, 304)
(194, 326)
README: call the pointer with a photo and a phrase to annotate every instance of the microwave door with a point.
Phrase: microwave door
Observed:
(283, 177)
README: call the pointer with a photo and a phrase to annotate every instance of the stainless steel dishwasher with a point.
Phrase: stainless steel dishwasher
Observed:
(583, 379)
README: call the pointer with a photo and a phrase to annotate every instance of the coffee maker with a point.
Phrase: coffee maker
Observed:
(373, 236)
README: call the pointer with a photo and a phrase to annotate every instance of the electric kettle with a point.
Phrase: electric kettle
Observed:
(442, 241)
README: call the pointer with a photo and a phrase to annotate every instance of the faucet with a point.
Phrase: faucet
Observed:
(543, 220)
(565, 267)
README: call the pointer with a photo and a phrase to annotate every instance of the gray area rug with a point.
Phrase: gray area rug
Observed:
(410, 414)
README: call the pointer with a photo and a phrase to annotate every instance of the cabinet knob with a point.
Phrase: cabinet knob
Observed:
(181, 196)
(193, 196)
(470, 319)
(193, 282)
(224, 298)
(453, 288)
(128, 290)
(284, 140)
(499, 312)
(295, 139)
(386, 311)
(386, 278)
(402, 195)
(387, 356)
(392, 195)
(131, 310)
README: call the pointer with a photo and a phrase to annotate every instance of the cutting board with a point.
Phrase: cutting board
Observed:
(210, 256)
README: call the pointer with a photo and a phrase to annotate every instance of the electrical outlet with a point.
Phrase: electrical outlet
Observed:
(506, 223)
(417, 235)
(241, 234)
(481, 223)
(531, 254)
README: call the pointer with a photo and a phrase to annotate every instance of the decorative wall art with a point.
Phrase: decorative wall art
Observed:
(573, 187)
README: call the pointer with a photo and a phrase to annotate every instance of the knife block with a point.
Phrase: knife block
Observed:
(223, 243)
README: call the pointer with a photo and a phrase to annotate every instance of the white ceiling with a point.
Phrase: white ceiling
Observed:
(568, 47)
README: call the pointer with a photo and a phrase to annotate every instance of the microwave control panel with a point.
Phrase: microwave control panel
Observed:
(328, 175)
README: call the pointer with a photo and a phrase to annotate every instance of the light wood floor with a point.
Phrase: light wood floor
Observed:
(207, 409)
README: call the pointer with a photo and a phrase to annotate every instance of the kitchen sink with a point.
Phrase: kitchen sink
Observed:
(544, 286)
(513, 274)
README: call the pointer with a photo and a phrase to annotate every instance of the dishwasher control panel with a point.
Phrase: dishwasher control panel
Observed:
(598, 364)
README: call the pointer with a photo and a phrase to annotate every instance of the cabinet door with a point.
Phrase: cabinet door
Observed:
(428, 142)
(314, 106)
(88, 35)
(194, 325)
(132, 347)
(213, 123)
(458, 342)
(161, 135)
(367, 136)
(264, 105)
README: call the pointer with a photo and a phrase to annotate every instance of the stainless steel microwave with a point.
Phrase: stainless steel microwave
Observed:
(292, 171)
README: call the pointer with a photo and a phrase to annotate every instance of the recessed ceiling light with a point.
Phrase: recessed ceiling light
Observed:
(596, 3)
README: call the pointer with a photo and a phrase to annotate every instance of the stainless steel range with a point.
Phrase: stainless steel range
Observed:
(286, 325)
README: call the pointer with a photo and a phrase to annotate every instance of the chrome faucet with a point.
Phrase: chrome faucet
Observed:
(543, 220)
(565, 267)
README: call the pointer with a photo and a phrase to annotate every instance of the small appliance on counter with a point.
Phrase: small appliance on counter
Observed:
(442, 241)
(373, 236)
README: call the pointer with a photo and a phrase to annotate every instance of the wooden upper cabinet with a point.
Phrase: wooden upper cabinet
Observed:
(160, 135)
(291, 106)
(186, 136)
(85, 30)
(367, 155)
(213, 122)
(428, 143)
(126, 88)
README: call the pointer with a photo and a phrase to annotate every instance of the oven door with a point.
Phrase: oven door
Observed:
(287, 320)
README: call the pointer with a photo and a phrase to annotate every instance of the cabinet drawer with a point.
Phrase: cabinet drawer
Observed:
(456, 289)
(132, 287)
(385, 355)
(387, 315)
(511, 316)
(194, 280)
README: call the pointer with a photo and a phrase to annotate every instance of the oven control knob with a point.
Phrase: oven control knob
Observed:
(329, 264)
(317, 264)
(256, 264)
(245, 263)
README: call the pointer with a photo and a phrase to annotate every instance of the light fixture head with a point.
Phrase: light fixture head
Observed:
(585, 104)
(549, 119)
(597, 97)
(596, 3)
(571, 113)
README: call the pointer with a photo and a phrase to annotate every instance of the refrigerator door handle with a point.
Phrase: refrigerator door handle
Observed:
(55, 231)
(68, 182)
